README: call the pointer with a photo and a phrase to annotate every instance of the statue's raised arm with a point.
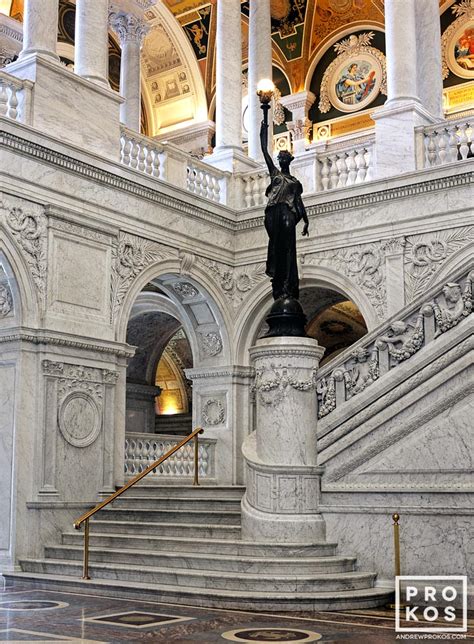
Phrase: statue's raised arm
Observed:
(264, 145)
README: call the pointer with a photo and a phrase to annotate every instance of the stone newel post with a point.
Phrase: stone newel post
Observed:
(283, 481)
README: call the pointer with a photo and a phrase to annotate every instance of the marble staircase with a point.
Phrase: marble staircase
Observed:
(179, 543)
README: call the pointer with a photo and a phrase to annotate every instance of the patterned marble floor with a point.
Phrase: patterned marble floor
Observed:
(49, 616)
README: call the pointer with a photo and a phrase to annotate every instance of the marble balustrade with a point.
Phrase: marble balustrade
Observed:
(141, 450)
(15, 98)
(447, 142)
(397, 340)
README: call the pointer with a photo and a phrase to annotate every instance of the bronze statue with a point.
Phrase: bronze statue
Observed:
(284, 210)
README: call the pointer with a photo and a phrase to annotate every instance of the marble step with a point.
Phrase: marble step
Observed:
(226, 517)
(203, 491)
(178, 503)
(191, 544)
(192, 530)
(206, 561)
(290, 583)
(257, 600)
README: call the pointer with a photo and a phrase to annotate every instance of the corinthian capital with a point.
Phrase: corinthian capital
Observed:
(128, 26)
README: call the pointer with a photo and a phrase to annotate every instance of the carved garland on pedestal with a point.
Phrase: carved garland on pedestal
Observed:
(271, 384)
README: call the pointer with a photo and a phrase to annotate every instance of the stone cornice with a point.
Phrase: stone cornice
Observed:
(38, 337)
(110, 179)
(220, 372)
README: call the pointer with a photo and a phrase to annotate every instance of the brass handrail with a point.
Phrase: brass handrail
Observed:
(87, 515)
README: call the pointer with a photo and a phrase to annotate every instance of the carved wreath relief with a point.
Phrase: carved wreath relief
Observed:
(213, 412)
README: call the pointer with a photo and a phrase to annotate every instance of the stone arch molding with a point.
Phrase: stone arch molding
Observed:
(251, 317)
(192, 299)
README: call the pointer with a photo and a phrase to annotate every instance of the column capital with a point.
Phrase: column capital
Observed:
(299, 101)
(128, 26)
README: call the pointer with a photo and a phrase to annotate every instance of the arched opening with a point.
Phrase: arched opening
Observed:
(332, 319)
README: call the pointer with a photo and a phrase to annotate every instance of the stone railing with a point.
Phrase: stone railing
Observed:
(141, 450)
(447, 142)
(384, 349)
(141, 153)
(344, 163)
(15, 98)
(251, 188)
(206, 181)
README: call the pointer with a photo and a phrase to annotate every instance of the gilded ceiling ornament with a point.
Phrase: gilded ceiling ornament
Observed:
(355, 77)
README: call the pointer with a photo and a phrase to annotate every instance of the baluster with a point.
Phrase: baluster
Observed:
(463, 141)
(13, 103)
(431, 149)
(127, 149)
(351, 168)
(141, 157)
(189, 181)
(148, 160)
(325, 172)
(333, 172)
(247, 192)
(217, 191)
(134, 154)
(469, 138)
(361, 165)
(342, 170)
(263, 182)
(156, 164)
(452, 154)
(3, 99)
(368, 163)
(442, 147)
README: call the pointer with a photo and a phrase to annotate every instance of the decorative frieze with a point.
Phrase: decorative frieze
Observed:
(379, 353)
(427, 252)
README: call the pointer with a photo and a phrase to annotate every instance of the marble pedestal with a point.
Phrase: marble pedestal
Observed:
(283, 481)
(71, 108)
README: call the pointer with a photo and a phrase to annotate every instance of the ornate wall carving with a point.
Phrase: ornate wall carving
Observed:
(29, 230)
(210, 343)
(427, 252)
(364, 264)
(213, 412)
(6, 301)
(80, 399)
(235, 282)
(130, 256)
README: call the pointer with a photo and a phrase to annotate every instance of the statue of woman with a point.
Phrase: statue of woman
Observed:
(283, 212)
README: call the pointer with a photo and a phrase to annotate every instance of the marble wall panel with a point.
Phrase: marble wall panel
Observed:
(7, 433)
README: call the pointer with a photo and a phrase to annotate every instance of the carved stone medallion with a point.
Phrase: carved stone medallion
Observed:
(79, 419)
(213, 412)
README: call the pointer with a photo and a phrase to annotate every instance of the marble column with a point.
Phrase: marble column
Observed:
(260, 66)
(91, 41)
(281, 502)
(414, 85)
(228, 76)
(131, 30)
(40, 28)
(299, 105)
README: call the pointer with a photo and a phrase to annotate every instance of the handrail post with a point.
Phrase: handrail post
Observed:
(85, 572)
(196, 460)
(396, 542)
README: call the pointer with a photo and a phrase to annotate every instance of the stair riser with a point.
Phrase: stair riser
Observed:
(196, 545)
(208, 564)
(171, 517)
(187, 579)
(193, 505)
(193, 532)
(195, 492)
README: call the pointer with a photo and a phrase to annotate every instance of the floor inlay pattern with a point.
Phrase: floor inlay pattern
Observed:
(268, 635)
(98, 618)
